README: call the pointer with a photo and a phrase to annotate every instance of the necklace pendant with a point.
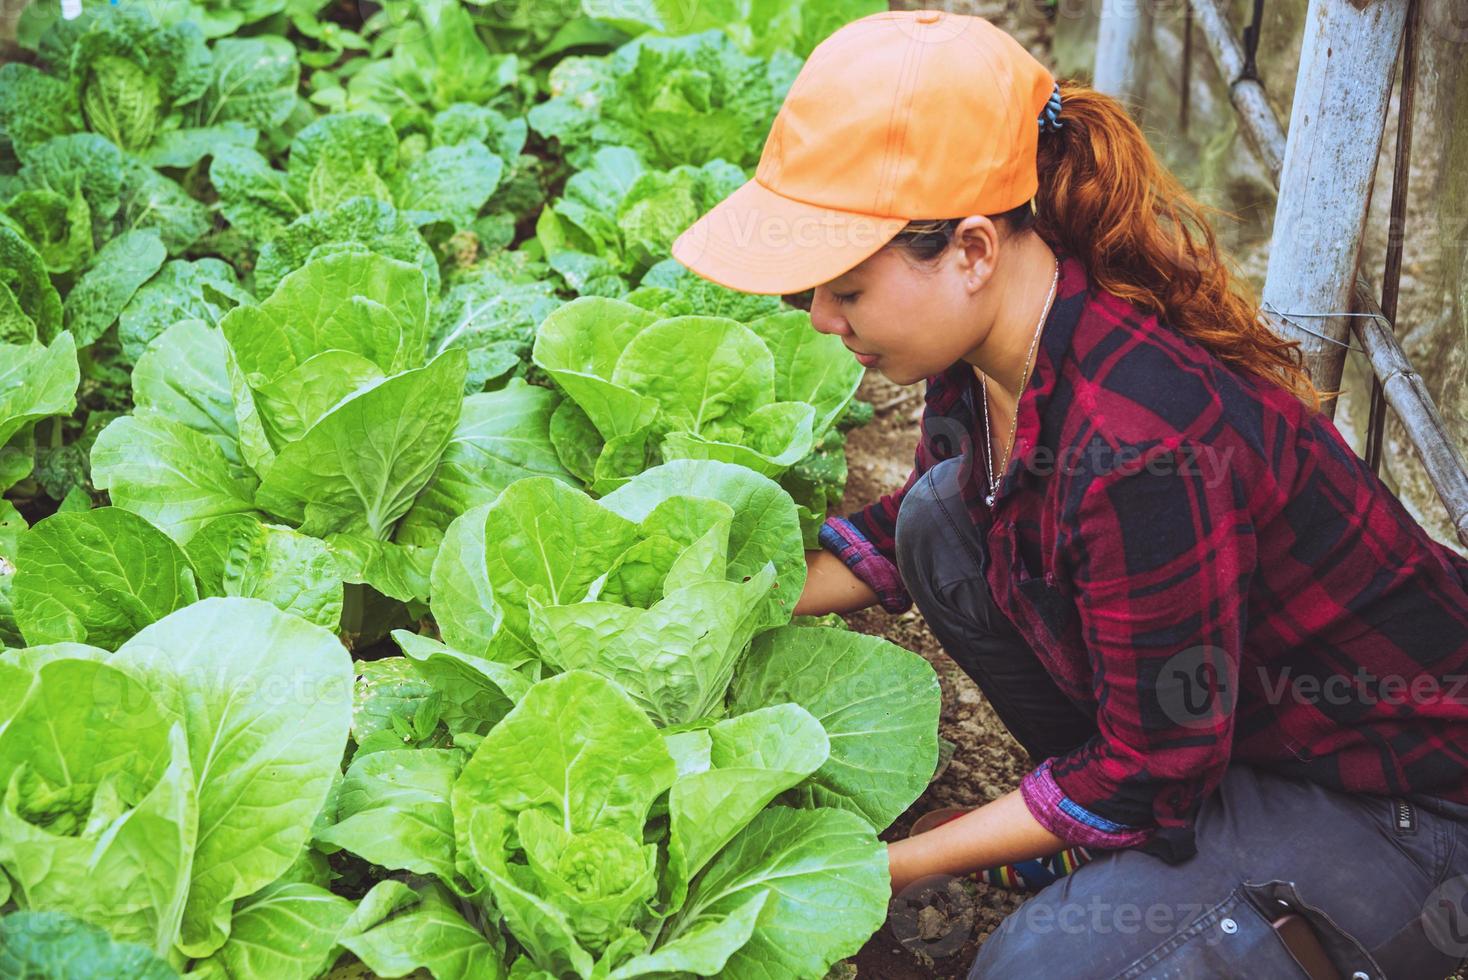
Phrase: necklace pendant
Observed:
(989, 500)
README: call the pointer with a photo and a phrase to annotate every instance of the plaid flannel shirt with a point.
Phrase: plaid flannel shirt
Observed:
(1202, 563)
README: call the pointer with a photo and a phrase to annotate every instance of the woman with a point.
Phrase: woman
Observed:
(1236, 661)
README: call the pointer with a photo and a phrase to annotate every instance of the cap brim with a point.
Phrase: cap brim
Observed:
(756, 241)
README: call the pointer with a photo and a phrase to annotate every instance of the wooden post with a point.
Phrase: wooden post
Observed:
(1123, 43)
(1336, 123)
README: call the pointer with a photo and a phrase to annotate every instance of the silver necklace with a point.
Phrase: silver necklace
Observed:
(1023, 378)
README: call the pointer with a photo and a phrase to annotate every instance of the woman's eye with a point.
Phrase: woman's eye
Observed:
(843, 298)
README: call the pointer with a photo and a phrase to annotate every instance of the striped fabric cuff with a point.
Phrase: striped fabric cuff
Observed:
(840, 537)
(1071, 822)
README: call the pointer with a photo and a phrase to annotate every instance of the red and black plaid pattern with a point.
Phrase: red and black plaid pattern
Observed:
(1205, 564)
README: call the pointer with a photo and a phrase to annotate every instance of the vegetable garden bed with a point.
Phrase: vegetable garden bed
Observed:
(397, 548)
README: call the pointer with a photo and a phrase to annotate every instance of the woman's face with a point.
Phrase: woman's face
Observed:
(906, 320)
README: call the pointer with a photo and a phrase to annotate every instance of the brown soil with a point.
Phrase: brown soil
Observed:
(938, 937)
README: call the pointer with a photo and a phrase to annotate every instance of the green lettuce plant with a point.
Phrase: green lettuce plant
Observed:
(761, 394)
(617, 219)
(354, 155)
(428, 56)
(673, 100)
(187, 778)
(155, 89)
(758, 27)
(545, 573)
(320, 409)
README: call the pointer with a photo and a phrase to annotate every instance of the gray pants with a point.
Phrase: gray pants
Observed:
(1383, 881)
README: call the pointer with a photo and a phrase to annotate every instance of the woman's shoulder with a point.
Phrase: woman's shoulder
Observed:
(1138, 381)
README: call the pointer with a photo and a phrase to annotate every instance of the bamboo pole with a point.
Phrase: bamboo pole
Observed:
(1123, 44)
(1336, 123)
(1407, 395)
(1260, 125)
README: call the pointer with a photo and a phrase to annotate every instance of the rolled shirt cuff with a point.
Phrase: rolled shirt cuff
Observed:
(1071, 822)
(840, 537)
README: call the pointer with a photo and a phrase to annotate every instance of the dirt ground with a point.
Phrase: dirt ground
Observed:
(940, 937)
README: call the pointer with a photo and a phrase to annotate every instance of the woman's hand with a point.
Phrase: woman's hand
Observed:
(1002, 831)
(831, 587)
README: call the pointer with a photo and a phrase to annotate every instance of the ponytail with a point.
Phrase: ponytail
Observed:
(1105, 199)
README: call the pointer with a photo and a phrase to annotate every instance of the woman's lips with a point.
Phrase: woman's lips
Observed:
(867, 360)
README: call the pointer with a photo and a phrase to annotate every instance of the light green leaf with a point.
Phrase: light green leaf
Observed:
(181, 148)
(266, 761)
(502, 436)
(152, 202)
(878, 702)
(357, 302)
(350, 472)
(124, 264)
(394, 810)
(396, 931)
(290, 404)
(728, 370)
(675, 659)
(539, 533)
(177, 478)
(579, 344)
(254, 82)
(182, 377)
(36, 382)
(810, 366)
(30, 307)
(448, 183)
(704, 947)
(753, 758)
(765, 528)
(341, 143)
(477, 693)
(826, 875)
(361, 224)
(201, 290)
(97, 577)
(239, 556)
(59, 228)
(286, 932)
(597, 761)
(253, 196)
(399, 571)
(114, 808)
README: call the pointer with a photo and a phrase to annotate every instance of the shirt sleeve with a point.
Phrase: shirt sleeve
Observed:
(866, 540)
(1162, 552)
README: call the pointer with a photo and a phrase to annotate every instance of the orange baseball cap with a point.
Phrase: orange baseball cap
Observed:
(898, 116)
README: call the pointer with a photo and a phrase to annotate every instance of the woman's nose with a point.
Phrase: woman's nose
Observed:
(825, 316)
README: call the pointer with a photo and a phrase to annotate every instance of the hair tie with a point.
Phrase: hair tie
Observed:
(1049, 116)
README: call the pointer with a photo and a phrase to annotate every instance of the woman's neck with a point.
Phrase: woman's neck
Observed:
(1024, 282)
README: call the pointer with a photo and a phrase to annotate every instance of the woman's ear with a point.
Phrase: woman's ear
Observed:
(976, 248)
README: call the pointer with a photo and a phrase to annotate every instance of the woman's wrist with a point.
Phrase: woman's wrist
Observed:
(831, 587)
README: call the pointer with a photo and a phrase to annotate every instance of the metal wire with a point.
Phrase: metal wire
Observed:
(1269, 308)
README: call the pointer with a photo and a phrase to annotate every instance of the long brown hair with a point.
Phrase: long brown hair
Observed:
(1106, 199)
